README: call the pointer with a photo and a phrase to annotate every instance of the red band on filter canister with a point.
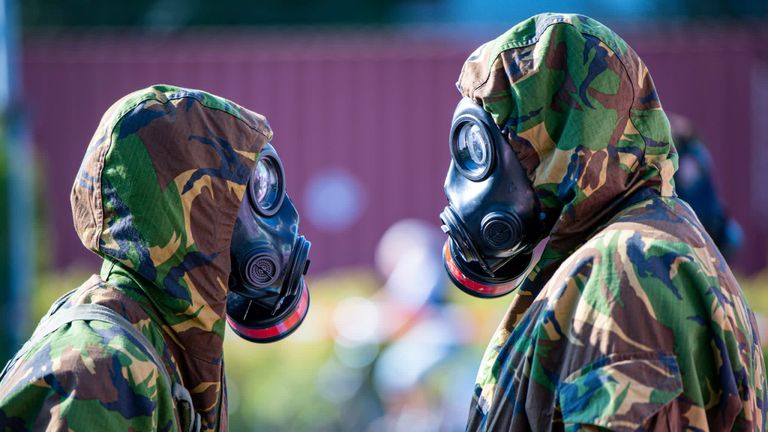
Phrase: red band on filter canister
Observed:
(281, 329)
(471, 285)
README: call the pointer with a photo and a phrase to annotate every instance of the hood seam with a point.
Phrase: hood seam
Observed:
(177, 96)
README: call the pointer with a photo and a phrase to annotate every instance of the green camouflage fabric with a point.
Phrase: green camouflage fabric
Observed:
(631, 319)
(156, 196)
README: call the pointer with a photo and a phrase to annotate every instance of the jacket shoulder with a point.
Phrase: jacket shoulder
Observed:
(86, 376)
(646, 291)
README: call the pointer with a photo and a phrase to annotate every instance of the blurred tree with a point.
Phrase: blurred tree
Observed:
(7, 336)
(176, 14)
(16, 210)
(724, 8)
(185, 13)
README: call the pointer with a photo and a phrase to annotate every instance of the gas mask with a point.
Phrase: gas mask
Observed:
(268, 298)
(493, 218)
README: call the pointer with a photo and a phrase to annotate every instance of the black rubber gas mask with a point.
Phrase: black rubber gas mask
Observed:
(268, 298)
(493, 216)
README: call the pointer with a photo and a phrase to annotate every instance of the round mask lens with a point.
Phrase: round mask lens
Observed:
(472, 150)
(267, 186)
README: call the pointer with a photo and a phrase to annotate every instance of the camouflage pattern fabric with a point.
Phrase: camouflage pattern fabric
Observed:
(631, 319)
(156, 196)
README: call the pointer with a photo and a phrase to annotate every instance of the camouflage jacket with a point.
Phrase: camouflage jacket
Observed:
(631, 319)
(156, 196)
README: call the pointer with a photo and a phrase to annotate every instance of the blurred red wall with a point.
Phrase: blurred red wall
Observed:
(378, 107)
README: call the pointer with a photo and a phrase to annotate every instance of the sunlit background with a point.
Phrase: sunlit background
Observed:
(360, 96)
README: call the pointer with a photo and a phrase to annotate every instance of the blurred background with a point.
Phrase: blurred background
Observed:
(360, 96)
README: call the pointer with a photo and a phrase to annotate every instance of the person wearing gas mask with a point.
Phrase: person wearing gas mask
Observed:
(630, 319)
(183, 197)
(694, 183)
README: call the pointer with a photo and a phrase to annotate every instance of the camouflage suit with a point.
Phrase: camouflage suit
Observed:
(156, 196)
(631, 319)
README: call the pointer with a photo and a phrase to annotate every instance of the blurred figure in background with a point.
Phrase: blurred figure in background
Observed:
(695, 185)
(182, 196)
(400, 344)
(428, 340)
(631, 319)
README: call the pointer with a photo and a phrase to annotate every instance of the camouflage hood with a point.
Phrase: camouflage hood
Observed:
(580, 110)
(157, 194)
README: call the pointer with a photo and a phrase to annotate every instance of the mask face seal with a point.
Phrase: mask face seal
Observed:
(268, 298)
(493, 215)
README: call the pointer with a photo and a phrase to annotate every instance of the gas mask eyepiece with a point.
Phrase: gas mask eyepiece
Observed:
(471, 150)
(493, 216)
(268, 298)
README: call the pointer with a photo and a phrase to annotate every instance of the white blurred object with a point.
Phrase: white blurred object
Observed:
(404, 363)
(408, 255)
(345, 207)
(357, 321)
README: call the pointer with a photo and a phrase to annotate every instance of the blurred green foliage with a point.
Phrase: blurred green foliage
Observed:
(41, 296)
(275, 386)
(723, 8)
(177, 14)
(285, 386)
(756, 290)
(6, 337)
(185, 13)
